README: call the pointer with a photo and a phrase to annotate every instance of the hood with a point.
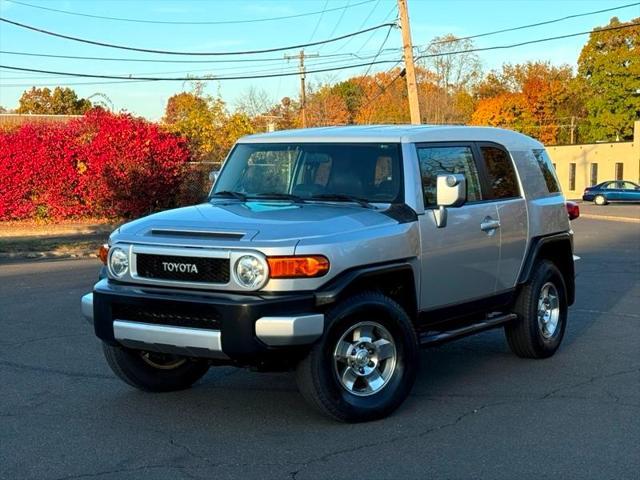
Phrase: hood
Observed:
(262, 221)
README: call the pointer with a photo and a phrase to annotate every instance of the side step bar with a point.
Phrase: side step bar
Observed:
(430, 339)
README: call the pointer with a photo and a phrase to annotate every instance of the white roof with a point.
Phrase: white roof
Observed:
(395, 134)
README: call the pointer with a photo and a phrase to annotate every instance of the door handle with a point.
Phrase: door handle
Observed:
(489, 224)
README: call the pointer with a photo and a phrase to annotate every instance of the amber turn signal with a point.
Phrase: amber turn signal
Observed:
(298, 267)
(103, 252)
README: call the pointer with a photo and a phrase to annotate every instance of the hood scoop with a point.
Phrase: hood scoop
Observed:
(167, 232)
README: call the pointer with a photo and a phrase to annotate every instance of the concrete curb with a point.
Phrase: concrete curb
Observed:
(44, 255)
(610, 218)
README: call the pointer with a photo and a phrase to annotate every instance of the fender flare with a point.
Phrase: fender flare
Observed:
(562, 240)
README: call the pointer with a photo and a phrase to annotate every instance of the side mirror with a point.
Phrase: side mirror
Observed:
(451, 191)
(213, 175)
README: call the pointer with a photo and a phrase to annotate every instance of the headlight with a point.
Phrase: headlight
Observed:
(118, 262)
(251, 271)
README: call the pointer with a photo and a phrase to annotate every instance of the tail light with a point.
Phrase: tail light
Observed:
(573, 210)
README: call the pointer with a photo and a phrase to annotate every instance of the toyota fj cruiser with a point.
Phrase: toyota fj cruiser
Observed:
(340, 252)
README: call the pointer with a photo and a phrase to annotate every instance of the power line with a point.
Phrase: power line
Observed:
(324, 9)
(335, 26)
(378, 54)
(272, 69)
(156, 60)
(538, 24)
(376, 62)
(366, 19)
(529, 42)
(394, 8)
(176, 22)
(189, 78)
(383, 89)
(170, 52)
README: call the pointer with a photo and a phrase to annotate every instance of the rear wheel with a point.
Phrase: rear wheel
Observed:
(154, 372)
(366, 362)
(600, 200)
(542, 314)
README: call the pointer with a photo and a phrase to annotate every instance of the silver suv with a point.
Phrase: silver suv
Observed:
(339, 252)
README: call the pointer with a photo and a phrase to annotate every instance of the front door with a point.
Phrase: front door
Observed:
(459, 261)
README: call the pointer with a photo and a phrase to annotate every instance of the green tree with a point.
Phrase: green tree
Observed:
(609, 69)
(62, 101)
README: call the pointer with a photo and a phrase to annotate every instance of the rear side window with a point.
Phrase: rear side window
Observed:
(436, 161)
(546, 168)
(500, 172)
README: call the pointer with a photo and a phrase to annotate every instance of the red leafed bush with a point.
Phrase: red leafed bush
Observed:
(102, 165)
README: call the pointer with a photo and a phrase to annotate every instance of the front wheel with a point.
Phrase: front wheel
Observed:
(600, 200)
(541, 307)
(366, 362)
(154, 372)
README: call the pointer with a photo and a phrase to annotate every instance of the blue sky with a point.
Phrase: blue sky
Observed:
(429, 18)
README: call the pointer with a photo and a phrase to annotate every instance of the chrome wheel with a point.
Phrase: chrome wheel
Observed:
(548, 310)
(600, 200)
(162, 361)
(365, 358)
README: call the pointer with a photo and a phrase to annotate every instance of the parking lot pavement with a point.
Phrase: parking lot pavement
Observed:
(476, 411)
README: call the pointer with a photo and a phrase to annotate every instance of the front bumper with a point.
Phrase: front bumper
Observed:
(242, 328)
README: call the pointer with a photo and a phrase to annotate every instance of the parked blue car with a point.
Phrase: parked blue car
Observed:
(612, 191)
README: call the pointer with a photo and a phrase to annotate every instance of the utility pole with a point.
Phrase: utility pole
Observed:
(412, 86)
(303, 92)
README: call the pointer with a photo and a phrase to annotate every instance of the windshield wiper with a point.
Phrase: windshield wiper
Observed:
(230, 194)
(278, 196)
(341, 197)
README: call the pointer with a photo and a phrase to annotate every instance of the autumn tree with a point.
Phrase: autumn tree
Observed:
(285, 114)
(609, 70)
(205, 121)
(384, 98)
(535, 98)
(62, 101)
(326, 107)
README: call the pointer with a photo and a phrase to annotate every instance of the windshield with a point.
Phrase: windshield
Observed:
(329, 171)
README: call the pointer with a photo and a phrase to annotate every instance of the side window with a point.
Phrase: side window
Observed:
(547, 171)
(502, 176)
(443, 160)
(629, 186)
(611, 186)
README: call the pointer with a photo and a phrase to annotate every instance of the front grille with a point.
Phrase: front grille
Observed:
(178, 268)
(171, 315)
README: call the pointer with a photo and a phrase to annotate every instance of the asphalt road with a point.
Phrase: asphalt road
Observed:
(476, 410)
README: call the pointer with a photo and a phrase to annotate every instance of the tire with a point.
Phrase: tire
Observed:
(369, 320)
(600, 200)
(154, 372)
(534, 335)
